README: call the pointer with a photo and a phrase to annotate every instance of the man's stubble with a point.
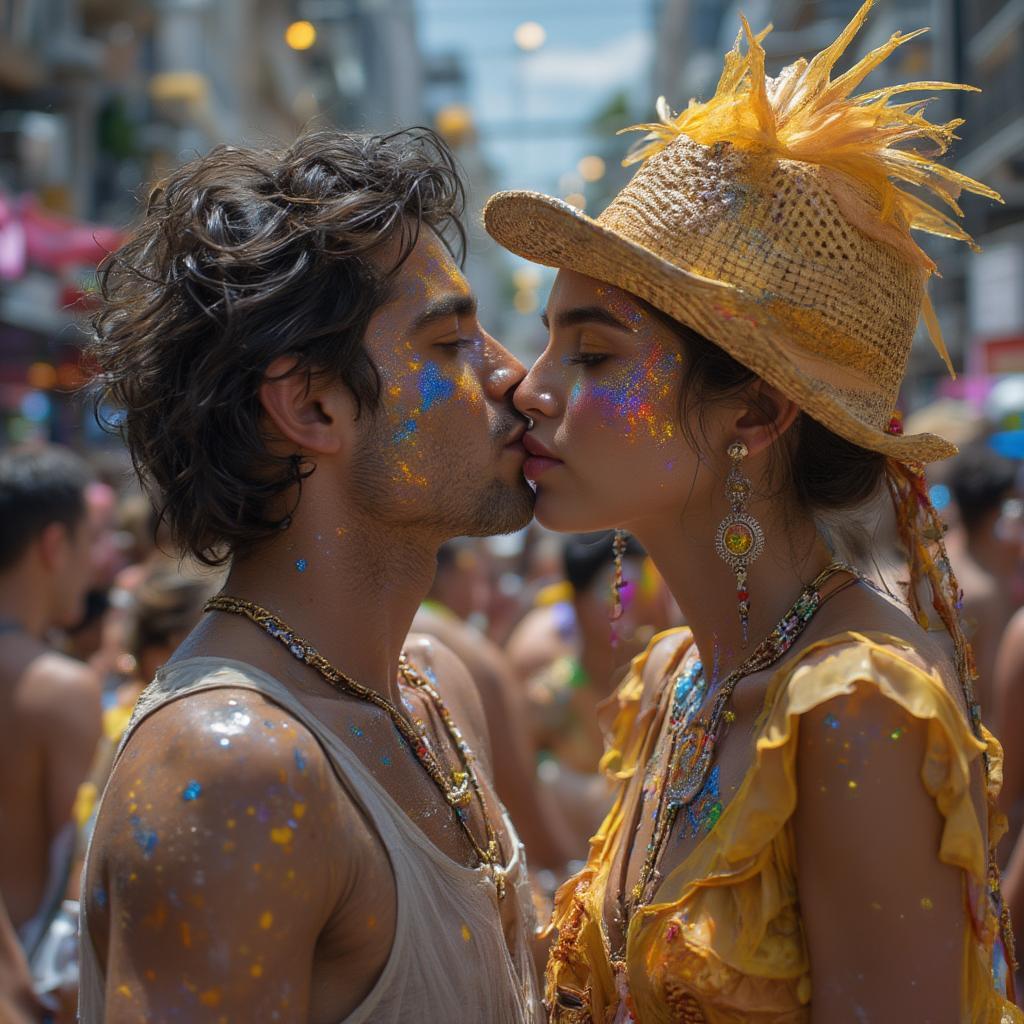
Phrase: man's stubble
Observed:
(442, 493)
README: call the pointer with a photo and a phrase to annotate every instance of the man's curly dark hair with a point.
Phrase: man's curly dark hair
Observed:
(245, 255)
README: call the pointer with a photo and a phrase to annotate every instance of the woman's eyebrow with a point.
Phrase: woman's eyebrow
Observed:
(586, 315)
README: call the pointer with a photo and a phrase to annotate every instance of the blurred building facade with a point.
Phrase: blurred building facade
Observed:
(449, 110)
(980, 298)
(101, 97)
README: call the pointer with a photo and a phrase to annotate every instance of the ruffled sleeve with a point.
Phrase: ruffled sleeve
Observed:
(578, 968)
(624, 739)
(725, 931)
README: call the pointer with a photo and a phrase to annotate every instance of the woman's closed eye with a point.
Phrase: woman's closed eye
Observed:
(587, 359)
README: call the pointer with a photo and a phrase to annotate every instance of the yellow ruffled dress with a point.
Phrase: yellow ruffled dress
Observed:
(724, 944)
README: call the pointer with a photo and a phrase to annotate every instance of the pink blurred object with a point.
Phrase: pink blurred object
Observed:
(32, 236)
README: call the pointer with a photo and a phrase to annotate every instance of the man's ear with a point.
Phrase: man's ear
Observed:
(766, 415)
(312, 413)
(53, 544)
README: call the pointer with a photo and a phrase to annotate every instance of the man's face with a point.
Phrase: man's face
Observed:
(443, 449)
(74, 570)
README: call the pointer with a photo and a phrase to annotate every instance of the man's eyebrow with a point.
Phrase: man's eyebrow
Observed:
(443, 309)
(586, 315)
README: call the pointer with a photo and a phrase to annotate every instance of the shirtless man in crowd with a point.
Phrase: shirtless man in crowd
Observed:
(49, 703)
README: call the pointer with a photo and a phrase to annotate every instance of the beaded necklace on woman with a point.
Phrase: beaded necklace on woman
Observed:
(693, 742)
(458, 786)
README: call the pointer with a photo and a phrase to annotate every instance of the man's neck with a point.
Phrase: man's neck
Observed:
(350, 592)
(23, 603)
(987, 553)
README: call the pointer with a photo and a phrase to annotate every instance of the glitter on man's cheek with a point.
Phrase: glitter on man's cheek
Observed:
(468, 387)
(434, 387)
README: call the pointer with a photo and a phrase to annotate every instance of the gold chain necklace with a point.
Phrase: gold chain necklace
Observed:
(702, 737)
(458, 787)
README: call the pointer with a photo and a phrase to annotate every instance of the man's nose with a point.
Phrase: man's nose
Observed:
(504, 371)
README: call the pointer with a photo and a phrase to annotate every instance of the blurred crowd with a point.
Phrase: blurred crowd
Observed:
(93, 600)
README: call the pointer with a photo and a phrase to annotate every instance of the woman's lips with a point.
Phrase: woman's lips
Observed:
(536, 465)
(540, 459)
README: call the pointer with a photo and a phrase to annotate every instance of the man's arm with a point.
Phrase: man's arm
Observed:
(884, 918)
(18, 1004)
(64, 698)
(214, 864)
(1008, 726)
(1007, 719)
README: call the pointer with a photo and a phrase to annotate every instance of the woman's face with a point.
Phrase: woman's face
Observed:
(604, 399)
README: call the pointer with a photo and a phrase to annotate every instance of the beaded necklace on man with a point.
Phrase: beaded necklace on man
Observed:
(698, 741)
(457, 786)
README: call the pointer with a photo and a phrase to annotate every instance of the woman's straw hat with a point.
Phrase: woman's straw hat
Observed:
(768, 220)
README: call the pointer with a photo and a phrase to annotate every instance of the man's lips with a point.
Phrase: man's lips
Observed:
(515, 441)
(541, 458)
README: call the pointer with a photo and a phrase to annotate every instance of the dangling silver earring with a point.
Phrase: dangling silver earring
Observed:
(740, 539)
(619, 542)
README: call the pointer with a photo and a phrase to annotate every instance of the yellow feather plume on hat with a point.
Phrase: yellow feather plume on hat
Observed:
(804, 115)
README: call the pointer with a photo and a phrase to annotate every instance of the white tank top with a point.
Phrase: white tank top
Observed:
(432, 974)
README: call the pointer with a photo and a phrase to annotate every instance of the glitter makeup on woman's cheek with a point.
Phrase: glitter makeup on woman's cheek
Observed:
(636, 398)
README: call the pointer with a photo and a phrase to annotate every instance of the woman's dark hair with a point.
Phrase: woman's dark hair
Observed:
(245, 255)
(585, 555)
(823, 471)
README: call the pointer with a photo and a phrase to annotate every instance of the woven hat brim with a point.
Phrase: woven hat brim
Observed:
(548, 231)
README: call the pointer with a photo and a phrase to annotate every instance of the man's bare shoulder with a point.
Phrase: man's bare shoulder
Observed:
(224, 779)
(443, 667)
(54, 687)
(223, 850)
(536, 642)
(483, 659)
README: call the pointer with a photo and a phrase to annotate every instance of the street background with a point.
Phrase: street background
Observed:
(98, 98)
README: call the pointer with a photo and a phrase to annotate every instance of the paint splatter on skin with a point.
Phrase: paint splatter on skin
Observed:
(146, 838)
(191, 791)
(300, 760)
(433, 387)
(406, 431)
(634, 397)
(301, 564)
